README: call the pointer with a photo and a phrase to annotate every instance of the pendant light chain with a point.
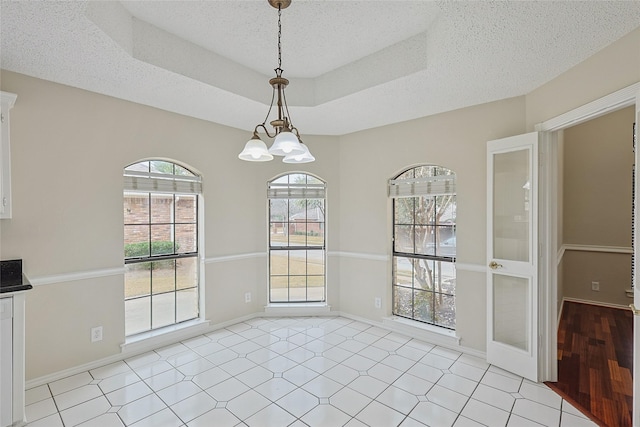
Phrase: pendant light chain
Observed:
(279, 37)
(277, 70)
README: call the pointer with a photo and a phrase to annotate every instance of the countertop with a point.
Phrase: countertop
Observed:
(15, 285)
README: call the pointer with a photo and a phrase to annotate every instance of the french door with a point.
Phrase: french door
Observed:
(512, 254)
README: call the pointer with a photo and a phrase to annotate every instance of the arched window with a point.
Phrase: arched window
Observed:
(296, 238)
(424, 245)
(160, 245)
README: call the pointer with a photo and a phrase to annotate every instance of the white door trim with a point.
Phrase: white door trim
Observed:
(548, 261)
(622, 98)
(617, 100)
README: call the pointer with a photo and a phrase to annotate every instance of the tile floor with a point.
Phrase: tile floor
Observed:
(311, 371)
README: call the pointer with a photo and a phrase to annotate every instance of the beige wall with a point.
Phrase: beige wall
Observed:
(455, 140)
(69, 147)
(598, 160)
(68, 142)
(613, 271)
(83, 140)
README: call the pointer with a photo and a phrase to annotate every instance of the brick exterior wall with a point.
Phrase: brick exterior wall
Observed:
(136, 219)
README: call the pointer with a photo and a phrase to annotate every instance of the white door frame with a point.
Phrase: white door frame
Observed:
(548, 226)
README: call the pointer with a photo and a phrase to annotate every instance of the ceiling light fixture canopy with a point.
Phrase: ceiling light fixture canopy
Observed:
(286, 137)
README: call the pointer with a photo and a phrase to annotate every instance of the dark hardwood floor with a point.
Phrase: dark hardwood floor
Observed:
(595, 361)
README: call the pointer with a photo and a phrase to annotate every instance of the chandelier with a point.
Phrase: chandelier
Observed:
(287, 140)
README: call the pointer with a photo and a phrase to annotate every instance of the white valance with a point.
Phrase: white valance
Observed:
(440, 185)
(296, 191)
(149, 182)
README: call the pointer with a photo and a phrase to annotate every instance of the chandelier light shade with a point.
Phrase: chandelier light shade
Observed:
(286, 143)
(255, 150)
(286, 137)
(305, 157)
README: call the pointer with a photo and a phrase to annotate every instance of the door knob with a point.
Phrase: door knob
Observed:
(494, 265)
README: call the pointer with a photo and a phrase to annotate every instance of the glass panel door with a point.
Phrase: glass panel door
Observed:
(511, 311)
(512, 255)
(511, 214)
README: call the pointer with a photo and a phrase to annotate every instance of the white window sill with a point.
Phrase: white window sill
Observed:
(298, 309)
(167, 335)
(426, 332)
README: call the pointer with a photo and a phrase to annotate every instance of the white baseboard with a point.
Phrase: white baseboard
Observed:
(165, 336)
(127, 351)
(156, 342)
(422, 332)
(295, 310)
(55, 376)
(393, 325)
(602, 304)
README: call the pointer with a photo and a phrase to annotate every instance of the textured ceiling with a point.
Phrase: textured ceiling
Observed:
(352, 64)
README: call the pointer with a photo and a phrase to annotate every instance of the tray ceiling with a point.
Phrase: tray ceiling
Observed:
(353, 65)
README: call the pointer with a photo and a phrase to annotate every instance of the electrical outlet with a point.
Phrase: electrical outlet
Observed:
(247, 297)
(378, 302)
(96, 334)
(595, 286)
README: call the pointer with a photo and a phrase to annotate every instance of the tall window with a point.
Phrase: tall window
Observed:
(160, 245)
(296, 239)
(424, 245)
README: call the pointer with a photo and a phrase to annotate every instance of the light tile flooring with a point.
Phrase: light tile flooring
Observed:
(309, 371)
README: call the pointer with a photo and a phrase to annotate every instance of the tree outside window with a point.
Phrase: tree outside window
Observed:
(424, 245)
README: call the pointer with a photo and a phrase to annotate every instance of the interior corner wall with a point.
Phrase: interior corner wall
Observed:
(598, 163)
(69, 148)
(456, 140)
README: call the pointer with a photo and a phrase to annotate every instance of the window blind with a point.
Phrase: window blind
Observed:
(296, 191)
(161, 183)
(440, 185)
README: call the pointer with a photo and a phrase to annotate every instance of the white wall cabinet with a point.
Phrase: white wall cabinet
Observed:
(12, 398)
(6, 103)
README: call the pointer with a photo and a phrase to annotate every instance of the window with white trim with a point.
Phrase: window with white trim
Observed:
(160, 245)
(424, 245)
(297, 239)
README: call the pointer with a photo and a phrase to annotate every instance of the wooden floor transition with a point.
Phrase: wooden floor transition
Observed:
(595, 362)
